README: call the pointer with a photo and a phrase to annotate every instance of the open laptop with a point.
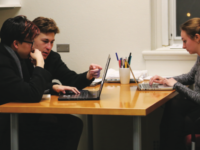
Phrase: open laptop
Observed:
(85, 94)
(154, 86)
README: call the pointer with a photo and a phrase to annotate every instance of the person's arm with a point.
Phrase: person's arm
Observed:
(16, 89)
(94, 71)
(49, 88)
(189, 93)
(177, 83)
(64, 74)
(188, 79)
(184, 90)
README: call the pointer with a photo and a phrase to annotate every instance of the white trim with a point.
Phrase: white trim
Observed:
(172, 23)
(168, 54)
(171, 15)
(10, 5)
(173, 18)
(165, 22)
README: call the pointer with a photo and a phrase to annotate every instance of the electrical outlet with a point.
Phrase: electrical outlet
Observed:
(62, 47)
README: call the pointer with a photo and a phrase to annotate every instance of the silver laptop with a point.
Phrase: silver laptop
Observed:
(154, 86)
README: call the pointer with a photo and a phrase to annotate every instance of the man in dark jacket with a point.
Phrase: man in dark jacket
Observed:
(54, 64)
(23, 82)
(69, 79)
(17, 36)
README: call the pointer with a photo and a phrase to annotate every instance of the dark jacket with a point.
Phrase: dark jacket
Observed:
(15, 88)
(31, 87)
(61, 72)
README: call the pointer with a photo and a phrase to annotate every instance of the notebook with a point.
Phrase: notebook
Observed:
(86, 94)
(154, 86)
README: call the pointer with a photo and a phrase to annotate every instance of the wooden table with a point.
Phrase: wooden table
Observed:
(116, 99)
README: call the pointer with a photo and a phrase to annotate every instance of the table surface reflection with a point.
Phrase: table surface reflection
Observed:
(116, 99)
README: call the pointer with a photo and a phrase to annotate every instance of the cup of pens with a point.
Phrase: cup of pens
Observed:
(124, 74)
(124, 70)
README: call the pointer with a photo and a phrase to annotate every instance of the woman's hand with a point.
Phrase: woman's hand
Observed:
(156, 79)
(36, 55)
(169, 82)
(62, 88)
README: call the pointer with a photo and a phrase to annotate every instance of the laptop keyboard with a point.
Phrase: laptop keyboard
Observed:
(84, 94)
(147, 86)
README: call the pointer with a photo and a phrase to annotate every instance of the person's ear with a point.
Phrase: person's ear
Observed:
(16, 44)
(197, 38)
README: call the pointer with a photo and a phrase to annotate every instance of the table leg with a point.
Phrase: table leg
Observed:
(14, 131)
(137, 133)
(90, 132)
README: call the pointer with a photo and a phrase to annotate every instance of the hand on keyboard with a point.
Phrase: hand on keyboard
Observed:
(69, 93)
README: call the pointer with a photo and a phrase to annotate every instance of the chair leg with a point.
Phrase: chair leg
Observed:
(193, 139)
(192, 145)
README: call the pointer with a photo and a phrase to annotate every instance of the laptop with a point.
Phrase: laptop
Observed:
(86, 94)
(153, 87)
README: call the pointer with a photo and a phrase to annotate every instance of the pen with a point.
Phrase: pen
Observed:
(130, 60)
(119, 63)
(117, 57)
(125, 63)
(129, 57)
(122, 63)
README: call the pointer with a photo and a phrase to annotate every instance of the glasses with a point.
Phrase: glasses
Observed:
(30, 43)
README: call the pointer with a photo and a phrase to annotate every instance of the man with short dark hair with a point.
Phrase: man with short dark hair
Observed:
(17, 36)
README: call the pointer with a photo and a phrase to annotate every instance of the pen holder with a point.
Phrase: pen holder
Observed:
(124, 74)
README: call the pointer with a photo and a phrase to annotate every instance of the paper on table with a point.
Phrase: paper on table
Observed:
(97, 80)
(114, 74)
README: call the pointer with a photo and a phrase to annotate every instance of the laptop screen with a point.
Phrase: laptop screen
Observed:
(104, 74)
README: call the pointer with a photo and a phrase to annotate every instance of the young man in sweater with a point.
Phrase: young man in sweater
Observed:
(54, 64)
(70, 79)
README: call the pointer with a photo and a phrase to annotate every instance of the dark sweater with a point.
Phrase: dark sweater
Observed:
(61, 72)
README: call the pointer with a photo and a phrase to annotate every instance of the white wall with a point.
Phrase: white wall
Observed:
(94, 29)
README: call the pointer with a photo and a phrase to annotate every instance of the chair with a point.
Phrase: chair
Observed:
(193, 140)
(193, 143)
